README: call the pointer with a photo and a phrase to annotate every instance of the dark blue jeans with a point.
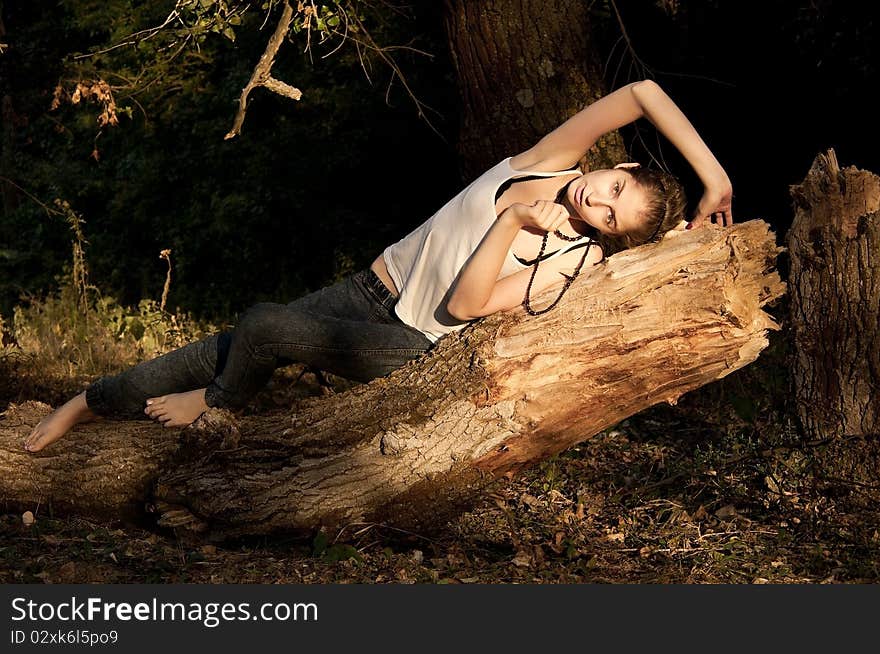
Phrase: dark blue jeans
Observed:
(349, 329)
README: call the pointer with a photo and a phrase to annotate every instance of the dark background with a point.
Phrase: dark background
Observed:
(768, 85)
(314, 190)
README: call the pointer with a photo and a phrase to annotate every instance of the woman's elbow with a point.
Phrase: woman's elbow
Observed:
(458, 312)
(645, 84)
(646, 88)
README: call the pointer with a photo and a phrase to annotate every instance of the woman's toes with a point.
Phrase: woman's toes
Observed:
(36, 443)
(34, 436)
(154, 406)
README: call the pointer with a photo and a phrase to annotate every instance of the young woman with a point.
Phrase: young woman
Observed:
(530, 223)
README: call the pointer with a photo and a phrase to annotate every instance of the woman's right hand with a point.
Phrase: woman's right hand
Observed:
(715, 206)
(542, 214)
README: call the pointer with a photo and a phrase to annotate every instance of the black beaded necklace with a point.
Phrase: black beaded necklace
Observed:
(527, 305)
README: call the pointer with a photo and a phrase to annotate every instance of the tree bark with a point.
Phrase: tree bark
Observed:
(416, 447)
(523, 68)
(834, 242)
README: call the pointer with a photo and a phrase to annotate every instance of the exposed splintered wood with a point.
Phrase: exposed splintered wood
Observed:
(834, 242)
(416, 447)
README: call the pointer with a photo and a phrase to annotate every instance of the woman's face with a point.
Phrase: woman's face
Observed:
(608, 199)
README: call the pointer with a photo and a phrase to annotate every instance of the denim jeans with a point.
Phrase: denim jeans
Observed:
(349, 329)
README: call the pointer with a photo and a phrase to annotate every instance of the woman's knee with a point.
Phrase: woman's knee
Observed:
(260, 322)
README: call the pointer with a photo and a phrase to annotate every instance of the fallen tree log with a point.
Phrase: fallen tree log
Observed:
(416, 447)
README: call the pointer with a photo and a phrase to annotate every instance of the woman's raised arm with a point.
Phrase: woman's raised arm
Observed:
(563, 147)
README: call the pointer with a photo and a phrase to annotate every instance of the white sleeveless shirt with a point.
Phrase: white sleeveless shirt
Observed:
(425, 263)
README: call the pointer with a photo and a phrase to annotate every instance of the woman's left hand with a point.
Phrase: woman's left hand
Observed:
(715, 206)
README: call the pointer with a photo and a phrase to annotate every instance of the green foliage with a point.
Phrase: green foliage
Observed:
(321, 548)
(200, 17)
(67, 337)
(77, 333)
(287, 207)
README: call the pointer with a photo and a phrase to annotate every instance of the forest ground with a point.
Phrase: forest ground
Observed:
(717, 489)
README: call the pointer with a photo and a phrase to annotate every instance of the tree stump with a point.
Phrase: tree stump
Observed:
(834, 244)
(415, 448)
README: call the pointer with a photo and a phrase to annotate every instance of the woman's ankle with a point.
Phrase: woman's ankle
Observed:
(84, 412)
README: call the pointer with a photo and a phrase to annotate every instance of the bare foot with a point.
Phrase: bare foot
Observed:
(57, 423)
(177, 409)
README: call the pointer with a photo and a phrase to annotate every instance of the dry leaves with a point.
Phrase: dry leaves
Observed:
(94, 90)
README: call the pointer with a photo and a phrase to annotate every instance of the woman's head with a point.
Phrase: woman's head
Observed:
(627, 205)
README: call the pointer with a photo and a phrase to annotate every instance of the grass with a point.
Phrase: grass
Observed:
(56, 345)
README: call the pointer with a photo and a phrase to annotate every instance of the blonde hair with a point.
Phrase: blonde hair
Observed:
(665, 210)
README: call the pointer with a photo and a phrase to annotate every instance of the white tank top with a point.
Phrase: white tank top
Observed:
(425, 263)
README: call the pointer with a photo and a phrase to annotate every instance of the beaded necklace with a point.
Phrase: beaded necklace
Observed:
(527, 305)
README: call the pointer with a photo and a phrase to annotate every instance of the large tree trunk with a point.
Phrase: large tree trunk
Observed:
(834, 242)
(523, 67)
(415, 447)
